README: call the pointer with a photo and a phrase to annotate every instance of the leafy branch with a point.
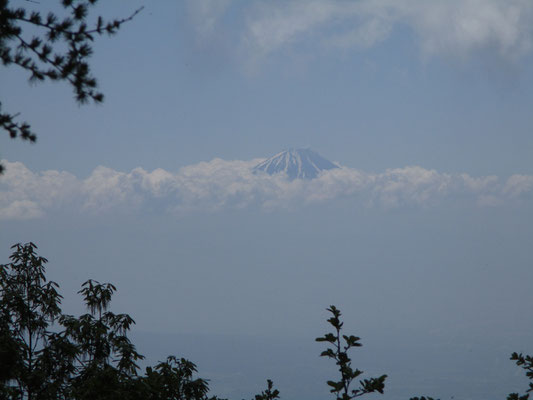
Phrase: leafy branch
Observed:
(526, 362)
(59, 51)
(269, 393)
(338, 351)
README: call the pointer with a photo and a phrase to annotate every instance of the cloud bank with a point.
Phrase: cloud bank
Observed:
(441, 27)
(218, 184)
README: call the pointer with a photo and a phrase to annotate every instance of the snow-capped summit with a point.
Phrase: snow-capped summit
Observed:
(296, 163)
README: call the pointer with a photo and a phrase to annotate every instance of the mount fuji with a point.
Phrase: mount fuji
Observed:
(296, 163)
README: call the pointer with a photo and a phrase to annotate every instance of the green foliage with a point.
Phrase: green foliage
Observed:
(526, 362)
(58, 49)
(338, 351)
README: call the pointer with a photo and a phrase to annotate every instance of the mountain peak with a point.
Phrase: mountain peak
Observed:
(296, 163)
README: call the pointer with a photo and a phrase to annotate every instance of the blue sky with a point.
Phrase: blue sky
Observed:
(422, 238)
(192, 90)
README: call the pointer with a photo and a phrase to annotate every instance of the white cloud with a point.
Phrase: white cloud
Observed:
(366, 34)
(21, 209)
(411, 185)
(484, 183)
(442, 27)
(28, 194)
(106, 188)
(517, 185)
(221, 184)
(463, 26)
(205, 15)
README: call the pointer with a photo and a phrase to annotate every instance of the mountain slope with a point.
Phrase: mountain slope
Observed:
(296, 163)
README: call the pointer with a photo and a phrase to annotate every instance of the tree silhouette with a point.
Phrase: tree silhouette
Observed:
(338, 351)
(48, 355)
(269, 394)
(526, 362)
(174, 380)
(52, 47)
(29, 304)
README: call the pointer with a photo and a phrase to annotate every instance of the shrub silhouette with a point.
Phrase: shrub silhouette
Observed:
(48, 355)
(338, 351)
